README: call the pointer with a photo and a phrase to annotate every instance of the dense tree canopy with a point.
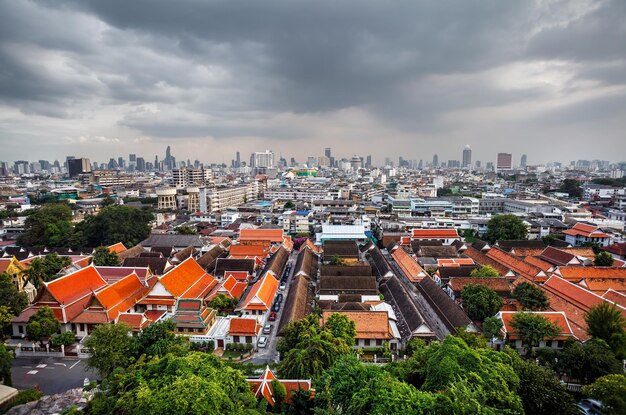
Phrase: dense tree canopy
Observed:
(603, 259)
(159, 339)
(611, 391)
(110, 346)
(49, 225)
(531, 297)
(103, 257)
(46, 269)
(505, 227)
(112, 225)
(572, 188)
(6, 362)
(42, 325)
(492, 327)
(480, 301)
(605, 321)
(340, 326)
(197, 383)
(15, 300)
(484, 272)
(533, 328)
(540, 390)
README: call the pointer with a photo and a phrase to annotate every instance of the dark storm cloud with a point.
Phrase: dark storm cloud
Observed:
(232, 69)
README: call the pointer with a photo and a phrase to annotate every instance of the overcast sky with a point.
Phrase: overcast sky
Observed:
(106, 78)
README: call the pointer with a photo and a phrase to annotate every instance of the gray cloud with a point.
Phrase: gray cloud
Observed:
(429, 74)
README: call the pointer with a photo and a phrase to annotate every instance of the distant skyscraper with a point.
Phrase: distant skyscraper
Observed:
(523, 161)
(78, 166)
(435, 161)
(368, 161)
(141, 164)
(504, 161)
(327, 152)
(132, 158)
(467, 156)
(238, 160)
(262, 159)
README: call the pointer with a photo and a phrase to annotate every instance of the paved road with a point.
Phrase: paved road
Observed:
(268, 354)
(52, 375)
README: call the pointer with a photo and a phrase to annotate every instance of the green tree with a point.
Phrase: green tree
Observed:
(297, 330)
(222, 302)
(289, 205)
(480, 301)
(6, 317)
(540, 390)
(492, 328)
(103, 257)
(66, 338)
(9, 295)
(279, 390)
(531, 297)
(605, 321)
(185, 230)
(312, 355)
(42, 325)
(584, 362)
(6, 362)
(115, 224)
(484, 272)
(603, 259)
(194, 384)
(110, 346)
(505, 227)
(49, 225)
(468, 235)
(533, 328)
(159, 339)
(611, 391)
(572, 188)
(340, 326)
(480, 378)
(47, 268)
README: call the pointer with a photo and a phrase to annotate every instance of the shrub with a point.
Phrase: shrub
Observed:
(66, 338)
(24, 396)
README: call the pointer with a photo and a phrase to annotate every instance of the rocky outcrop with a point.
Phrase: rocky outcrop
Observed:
(51, 404)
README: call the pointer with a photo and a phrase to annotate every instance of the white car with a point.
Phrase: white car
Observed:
(283, 286)
(262, 341)
(267, 329)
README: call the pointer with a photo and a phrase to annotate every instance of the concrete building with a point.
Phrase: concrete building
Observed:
(166, 198)
(504, 161)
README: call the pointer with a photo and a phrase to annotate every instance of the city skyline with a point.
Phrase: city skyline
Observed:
(525, 78)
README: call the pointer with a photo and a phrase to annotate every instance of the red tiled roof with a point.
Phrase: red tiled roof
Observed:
(113, 274)
(546, 266)
(261, 294)
(600, 285)
(589, 231)
(244, 327)
(369, 324)
(188, 280)
(408, 265)
(434, 233)
(118, 248)
(573, 293)
(454, 262)
(268, 235)
(515, 264)
(122, 295)
(616, 297)
(499, 285)
(617, 249)
(555, 256)
(557, 318)
(579, 273)
(262, 387)
(247, 251)
(76, 285)
(483, 259)
(135, 321)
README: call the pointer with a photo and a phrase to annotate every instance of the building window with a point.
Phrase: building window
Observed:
(548, 343)
(20, 329)
(248, 339)
(379, 342)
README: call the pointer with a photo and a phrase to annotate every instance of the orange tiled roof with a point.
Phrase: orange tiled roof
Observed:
(557, 318)
(408, 265)
(499, 285)
(76, 285)
(454, 262)
(268, 235)
(434, 233)
(616, 297)
(118, 248)
(369, 324)
(589, 231)
(539, 263)
(262, 387)
(573, 293)
(188, 280)
(244, 327)
(135, 321)
(483, 259)
(517, 265)
(261, 294)
(579, 273)
(120, 296)
(247, 251)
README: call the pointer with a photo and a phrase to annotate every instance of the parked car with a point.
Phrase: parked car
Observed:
(267, 329)
(272, 316)
(262, 341)
(276, 307)
(589, 407)
(279, 298)
(283, 285)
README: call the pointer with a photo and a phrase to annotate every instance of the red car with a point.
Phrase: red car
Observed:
(272, 316)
